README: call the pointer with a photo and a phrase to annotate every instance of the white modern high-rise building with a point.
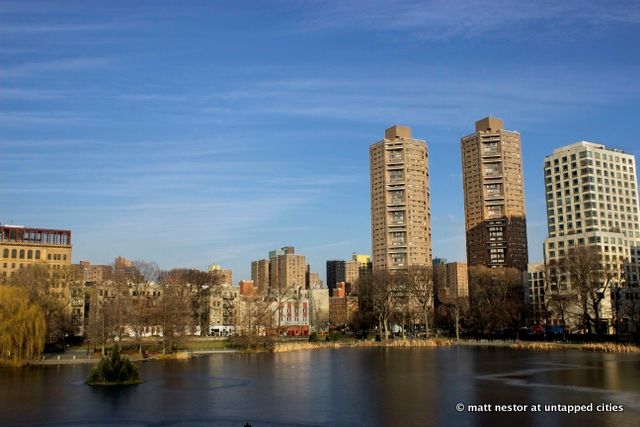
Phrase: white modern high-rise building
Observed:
(592, 200)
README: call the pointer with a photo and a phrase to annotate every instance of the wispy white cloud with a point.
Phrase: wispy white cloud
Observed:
(51, 28)
(16, 50)
(69, 64)
(42, 118)
(437, 19)
(154, 97)
(32, 94)
(431, 96)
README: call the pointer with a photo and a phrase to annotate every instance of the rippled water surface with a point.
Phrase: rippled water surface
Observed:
(358, 386)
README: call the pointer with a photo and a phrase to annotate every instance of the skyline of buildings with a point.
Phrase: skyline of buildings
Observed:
(491, 192)
(181, 153)
(591, 198)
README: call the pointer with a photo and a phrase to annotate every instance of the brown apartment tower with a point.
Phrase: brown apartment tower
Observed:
(400, 201)
(494, 208)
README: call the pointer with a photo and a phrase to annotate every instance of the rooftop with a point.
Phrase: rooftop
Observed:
(587, 144)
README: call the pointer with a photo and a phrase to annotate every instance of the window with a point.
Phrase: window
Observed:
(396, 196)
(494, 211)
(396, 175)
(490, 148)
(5, 253)
(14, 253)
(21, 253)
(494, 190)
(30, 254)
(397, 259)
(37, 254)
(397, 217)
(492, 169)
(395, 155)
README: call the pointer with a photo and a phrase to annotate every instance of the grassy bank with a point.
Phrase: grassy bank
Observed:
(11, 364)
(601, 347)
(283, 347)
(178, 355)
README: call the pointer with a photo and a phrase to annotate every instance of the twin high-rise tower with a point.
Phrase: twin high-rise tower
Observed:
(493, 194)
(400, 201)
(494, 207)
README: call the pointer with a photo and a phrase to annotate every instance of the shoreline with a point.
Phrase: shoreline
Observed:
(441, 342)
(287, 347)
(180, 355)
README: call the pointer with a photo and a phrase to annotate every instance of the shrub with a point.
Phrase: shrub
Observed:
(334, 336)
(245, 343)
(114, 370)
(313, 337)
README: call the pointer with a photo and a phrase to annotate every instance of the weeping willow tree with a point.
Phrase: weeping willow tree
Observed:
(22, 326)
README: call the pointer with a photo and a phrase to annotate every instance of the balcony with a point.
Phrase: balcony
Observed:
(394, 158)
(490, 152)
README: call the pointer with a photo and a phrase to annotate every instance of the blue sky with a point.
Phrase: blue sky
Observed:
(191, 133)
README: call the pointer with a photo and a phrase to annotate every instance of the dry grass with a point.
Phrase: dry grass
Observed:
(180, 355)
(538, 346)
(283, 347)
(602, 347)
(611, 348)
(11, 363)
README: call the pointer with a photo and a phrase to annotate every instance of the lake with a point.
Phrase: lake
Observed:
(352, 386)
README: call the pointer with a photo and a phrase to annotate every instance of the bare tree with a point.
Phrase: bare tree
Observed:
(421, 289)
(143, 299)
(252, 318)
(175, 308)
(378, 294)
(633, 313)
(591, 274)
(453, 310)
(108, 303)
(201, 285)
(558, 300)
(495, 296)
(614, 280)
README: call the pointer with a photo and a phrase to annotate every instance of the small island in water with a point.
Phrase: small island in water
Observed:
(114, 369)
